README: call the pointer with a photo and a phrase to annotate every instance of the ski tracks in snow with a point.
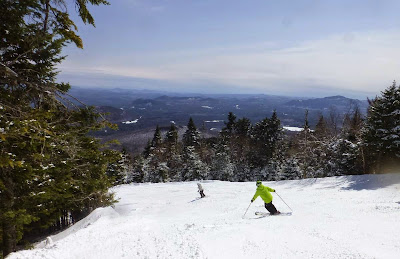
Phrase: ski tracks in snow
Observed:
(330, 220)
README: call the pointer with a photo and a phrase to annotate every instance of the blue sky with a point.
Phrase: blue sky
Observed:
(296, 48)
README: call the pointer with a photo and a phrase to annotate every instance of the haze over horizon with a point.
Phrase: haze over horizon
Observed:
(303, 48)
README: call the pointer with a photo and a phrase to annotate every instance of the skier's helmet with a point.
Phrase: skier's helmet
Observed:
(258, 183)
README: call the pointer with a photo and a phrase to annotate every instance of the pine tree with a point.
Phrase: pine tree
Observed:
(119, 171)
(49, 167)
(193, 167)
(191, 137)
(305, 149)
(346, 149)
(156, 159)
(266, 136)
(321, 129)
(240, 148)
(260, 152)
(171, 138)
(157, 139)
(147, 149)
(275, 132)
(222, 168)
(290, 169)
(173, 157)
(243, 127)
(228, 130)
(139, 169)
(381, 133)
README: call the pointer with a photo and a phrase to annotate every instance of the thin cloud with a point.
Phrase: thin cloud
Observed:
(359, 61)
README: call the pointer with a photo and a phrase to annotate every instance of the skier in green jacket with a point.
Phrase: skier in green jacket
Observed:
(265, 194)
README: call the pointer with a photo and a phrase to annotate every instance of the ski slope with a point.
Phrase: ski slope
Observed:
(337, 217)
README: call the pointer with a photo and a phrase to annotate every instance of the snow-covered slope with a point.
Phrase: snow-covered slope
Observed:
(338, 217)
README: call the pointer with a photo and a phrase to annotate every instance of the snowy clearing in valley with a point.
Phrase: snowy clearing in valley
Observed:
(337, 217)
(292, 128)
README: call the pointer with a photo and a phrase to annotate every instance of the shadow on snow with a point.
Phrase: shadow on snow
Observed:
(371, 182)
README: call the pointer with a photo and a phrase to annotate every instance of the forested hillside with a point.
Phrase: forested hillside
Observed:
(245, 152)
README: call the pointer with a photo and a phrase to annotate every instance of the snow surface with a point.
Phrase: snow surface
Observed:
(337, 217)
(213, 121)
(293, 128)
(132, 122)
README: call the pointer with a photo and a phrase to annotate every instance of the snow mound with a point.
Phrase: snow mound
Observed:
(336, 217)
(91, 219)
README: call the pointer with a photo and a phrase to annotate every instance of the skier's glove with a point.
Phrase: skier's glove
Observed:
(251, 200)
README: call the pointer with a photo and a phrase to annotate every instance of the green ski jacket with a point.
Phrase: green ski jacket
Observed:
(264, 192)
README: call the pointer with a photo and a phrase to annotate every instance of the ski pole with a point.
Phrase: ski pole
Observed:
(283, 201)
(246, 210)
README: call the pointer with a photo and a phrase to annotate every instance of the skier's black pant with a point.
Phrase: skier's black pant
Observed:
(271, 208)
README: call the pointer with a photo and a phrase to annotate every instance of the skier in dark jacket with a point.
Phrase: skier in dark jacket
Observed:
(265, 193)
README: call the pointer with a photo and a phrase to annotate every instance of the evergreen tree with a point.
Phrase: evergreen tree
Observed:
(240, 148)
(156, 157)
(275, 132)
(352, 125)
(381, 133)
(222, 168)
(120, 170)
(345, 157)
(157, 139)
(193, 167)
(173, 157)
(49, 167)
(260, 152)
(304, 149)
(171, 138)
(290, 169)
(156, 169)
(321, 129)
(266, 136)
(147, 149)
(243, 127)
(191, 137)
(228, 130)
(346, 149)
(139, 169)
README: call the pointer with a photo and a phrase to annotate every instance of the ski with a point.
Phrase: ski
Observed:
(265, 214)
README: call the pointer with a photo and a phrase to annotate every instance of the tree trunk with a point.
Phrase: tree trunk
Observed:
(8, 224)
(46, 17)
(363, 160)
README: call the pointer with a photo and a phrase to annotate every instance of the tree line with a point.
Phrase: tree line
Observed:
(262, 151)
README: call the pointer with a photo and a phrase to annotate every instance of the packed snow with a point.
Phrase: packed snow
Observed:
(337, 217)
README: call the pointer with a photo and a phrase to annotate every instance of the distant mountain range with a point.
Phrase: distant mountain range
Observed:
(338, 101)
(137, 112)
